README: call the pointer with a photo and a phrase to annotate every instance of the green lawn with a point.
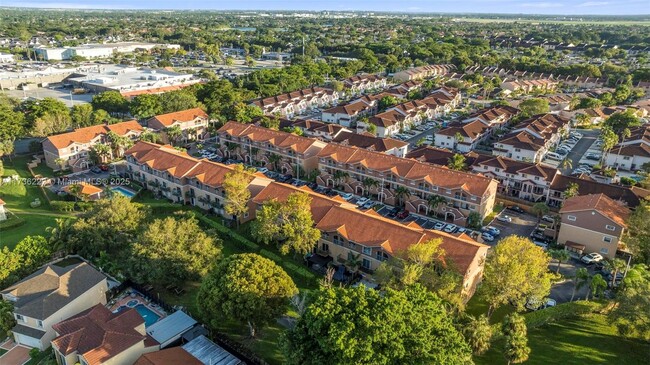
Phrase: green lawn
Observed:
(17, 196)
(477, 306)
(588, 339)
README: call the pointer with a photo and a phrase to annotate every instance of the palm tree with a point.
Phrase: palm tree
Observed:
(60, 162)
(615, 266)
(457, 162)
(60, 234)
(173, 133)
(433, 201)
(457, 139)
(369, 183)
(100, 152)
(353, 262)
(401, 194)
(540, 209)
(340, 177)
(579, 279)
(566, 163)
(571, 191)
(597, 285)
(274, 159)
(560, 256)
(119, 143)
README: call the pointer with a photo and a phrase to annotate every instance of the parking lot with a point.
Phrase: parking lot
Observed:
(521, 224)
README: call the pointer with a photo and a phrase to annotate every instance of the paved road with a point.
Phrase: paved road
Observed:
(562, 292)
(589, 137)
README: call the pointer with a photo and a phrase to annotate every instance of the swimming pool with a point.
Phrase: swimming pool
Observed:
(150, 317)
(126, 192)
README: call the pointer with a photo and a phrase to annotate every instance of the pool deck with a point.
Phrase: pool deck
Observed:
(125, 297)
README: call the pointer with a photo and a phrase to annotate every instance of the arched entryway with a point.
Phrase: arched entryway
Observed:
(450, 217)
(423, 209)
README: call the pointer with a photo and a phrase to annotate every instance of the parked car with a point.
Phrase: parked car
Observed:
(361, 201)
(369, 204)
(262, 169)
(504, 218)
(95, 169)
(487, 237)
(438, 226)
(346, 196)
(393, 212)
(450, 228)
(515, 208)
(591, 258)
(548, 218)
(534, 304)
(553, 156)
(403, 214)
(541, 244)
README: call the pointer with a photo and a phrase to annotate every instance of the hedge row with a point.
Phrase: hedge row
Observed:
(227, 232)
(272, 256)
(13, 222)
(66, 206)
(561, 311)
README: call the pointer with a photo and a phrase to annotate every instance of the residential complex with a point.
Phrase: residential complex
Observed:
(193, 124)
(72, 150)
(531, 139)
(297, 102)
(633, 153)
(422, 72)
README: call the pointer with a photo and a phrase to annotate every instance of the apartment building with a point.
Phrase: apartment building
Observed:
(402, 90)
(50, 295)
(276, 150)
(406, 182)
(371, 143)
(98, 336)
(348, 232)
(346, 115)
(531, 139)
(193, 124)
(177, 176)
(316, 129)
(422, 72)
(593, 223)
(529, 86)
(632, 196)
(297, 102)
(633, 152)
(72, 150)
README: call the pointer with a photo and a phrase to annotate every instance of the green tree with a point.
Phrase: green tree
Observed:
(638, 236)
(173, 133)
(622, 120)
(597, 286)
(631, 313)
(516, 348)
(81, 115)
(245, 287)
(59, 234)
(516, 270)
(540, 209)
(615, 266)
(360, 326)
(368, 183)
(401, 195)
(560, 255)
(588, 103)
(111, 101)
(457, 162)
(33, 252)
(173, 250)
(146, 106)
(478, 334)
(7, 321)
(51, 123)
(9, 266)
(534, 106)
(289, 224)
(100, 116)
(571, 191)
(386, 102)
(580, 278)
(178, 100)
(235, 185)
(151, 137)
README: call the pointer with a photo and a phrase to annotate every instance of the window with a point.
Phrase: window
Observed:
(610, 228)
(367, 251)
(604, 251)
(40, 324)
(607, 239)
(572, 218)
(365, 263)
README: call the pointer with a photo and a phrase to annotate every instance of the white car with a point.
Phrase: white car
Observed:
(439, 226)
(450, 228)
(487, 237)
(504, 218)
(362, 201)
(591, 258)
(346, 196)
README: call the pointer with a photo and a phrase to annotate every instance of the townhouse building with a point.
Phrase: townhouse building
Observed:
(347, 232)
(494, 117)
(461, 137)
(632, 196)
(369, 142)
(422, 72)
(593, 223)
(346, 115)
(297, 102)
(276, 150)
(319, 130)
(51, 294)
(531, 139)
(529, 86)
(71, 150)
(193, 124)
(98, 336)
(633, 153)
(407, 182)
(402, 90)
(359, 84)
(177, 176)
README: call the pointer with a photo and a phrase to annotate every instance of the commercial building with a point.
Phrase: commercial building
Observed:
(132, 81)
(96, 51)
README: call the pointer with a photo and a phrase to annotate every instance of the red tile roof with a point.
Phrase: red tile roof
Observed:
(170, 356)
(181, 116)
(601, 203)
(87, 134)
(260, 134)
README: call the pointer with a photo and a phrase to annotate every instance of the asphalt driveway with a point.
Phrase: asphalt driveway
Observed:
(561, 292)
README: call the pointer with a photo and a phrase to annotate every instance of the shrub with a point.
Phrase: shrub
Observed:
(11, 222)
(302, 271)
(271, 255)
(628, 181)
(62, 206)
(84, 206)
(226, 233)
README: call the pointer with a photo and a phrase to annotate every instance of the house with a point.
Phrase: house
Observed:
(170, 356)
(422, 72)
(50, 295)
(84, 190)
(461, 137)
(319, 130)
(402, 90)
(633, 152)
(346, 231)
(72, 150)
(297, 102)
(3, 213)
(632, 196)
(193, 124)
(359, 84)
(98, 336)
(371, 143)
(279, 151)
(180, 177)
(351, 169)
(529, 86)
(531, 139)
(347, 114)
(593, 223)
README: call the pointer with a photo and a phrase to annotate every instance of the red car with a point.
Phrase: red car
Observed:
(403, 214)
(103, 167)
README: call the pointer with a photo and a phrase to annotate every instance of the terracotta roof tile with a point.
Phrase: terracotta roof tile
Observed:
(601, 203)
(180, 116)
(88, 134)
(170, 356)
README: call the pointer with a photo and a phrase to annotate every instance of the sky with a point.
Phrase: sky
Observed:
(560, 7)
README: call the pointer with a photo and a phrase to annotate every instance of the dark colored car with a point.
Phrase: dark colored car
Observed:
(103, 167)
(403, 214)
(515, 208)
(312, 186)
(95, 169)
(393, 212)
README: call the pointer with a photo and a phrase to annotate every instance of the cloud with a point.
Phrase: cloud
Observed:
(543, 5)
(593, 3)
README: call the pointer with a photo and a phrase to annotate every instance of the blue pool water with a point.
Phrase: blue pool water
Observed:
(126, 192)
(150, 317)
